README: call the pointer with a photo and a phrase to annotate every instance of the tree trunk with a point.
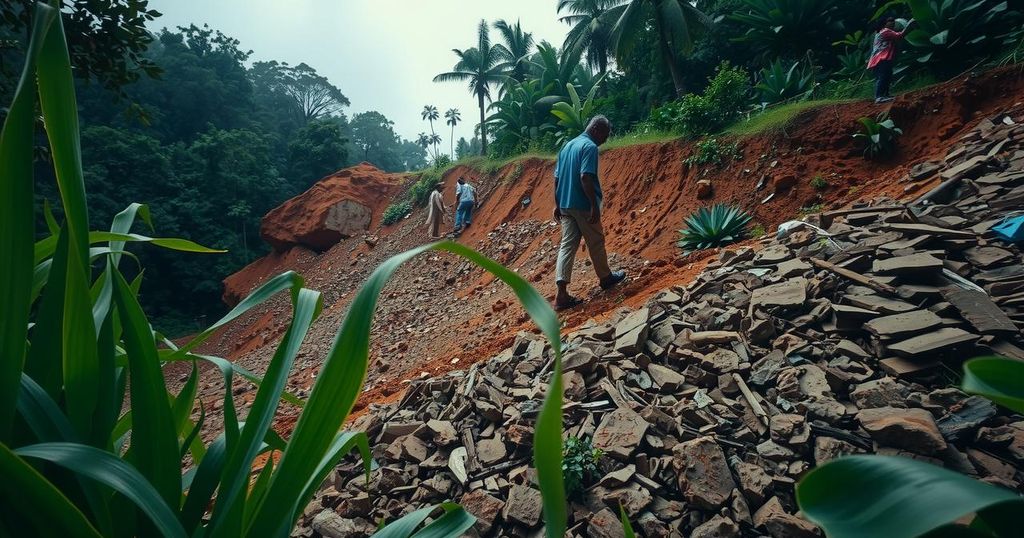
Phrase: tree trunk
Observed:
(433, 134)
(669, 56)
(483, 126)
(451, 143)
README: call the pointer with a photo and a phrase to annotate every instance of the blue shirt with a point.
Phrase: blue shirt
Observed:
(577, 157)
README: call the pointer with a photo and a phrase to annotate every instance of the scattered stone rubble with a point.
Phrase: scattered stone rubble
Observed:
(713, 400)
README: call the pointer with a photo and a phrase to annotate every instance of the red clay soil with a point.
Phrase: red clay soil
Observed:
(439, 314)
(353, 198)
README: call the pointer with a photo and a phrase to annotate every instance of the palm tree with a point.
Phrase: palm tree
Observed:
(423, 141)
(430, 114)
(481, 67)
(592, 22)
(434, 140)
(452, 117)
(675, 21)
(516, 49)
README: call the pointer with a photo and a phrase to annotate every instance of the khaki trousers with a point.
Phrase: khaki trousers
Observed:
(576, 225)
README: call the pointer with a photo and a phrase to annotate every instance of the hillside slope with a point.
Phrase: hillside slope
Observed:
(438, 314)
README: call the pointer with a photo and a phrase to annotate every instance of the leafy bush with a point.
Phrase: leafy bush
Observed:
(878, 136)
(758, 230)
(713, 151)
(419, 193)
(395, 212)
(819, 183)
(79, 459)
(442, 162)
(777, 83)
(579, 464)
(715, 227)
(721, 103)
(951, 34)
(789, 27)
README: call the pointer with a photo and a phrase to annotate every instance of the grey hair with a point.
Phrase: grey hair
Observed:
(598, 120)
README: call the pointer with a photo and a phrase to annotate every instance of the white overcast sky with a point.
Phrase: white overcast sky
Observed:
(382, 54)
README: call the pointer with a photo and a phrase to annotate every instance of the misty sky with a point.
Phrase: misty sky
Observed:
(382, 54)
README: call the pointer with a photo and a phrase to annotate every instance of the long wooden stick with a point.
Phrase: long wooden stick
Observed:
(749, 396)
(856, 277)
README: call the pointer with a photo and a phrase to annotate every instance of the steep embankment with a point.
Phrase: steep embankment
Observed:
(440, 314)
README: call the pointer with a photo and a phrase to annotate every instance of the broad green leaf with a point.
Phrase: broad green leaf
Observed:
(17, 220)
(342, 445)
(307, 307)
(285, 281)
(45, 247)
(857, 496)
(113, 472)
(627, 527)
(996, 378)
(154, 439)
(455, 521)
(940, 38)
(339, 383)
(38, 502)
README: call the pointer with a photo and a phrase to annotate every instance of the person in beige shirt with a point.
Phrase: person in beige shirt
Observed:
(436, 211)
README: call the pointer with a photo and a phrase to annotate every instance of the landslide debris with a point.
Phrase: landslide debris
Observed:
(712, 400)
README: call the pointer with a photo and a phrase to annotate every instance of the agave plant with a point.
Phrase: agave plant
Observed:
(878, 135)
(713, 227)
(779, 84)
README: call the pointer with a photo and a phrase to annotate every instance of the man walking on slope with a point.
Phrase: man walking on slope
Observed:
(883, 57)
(578, 209)
(465, 201)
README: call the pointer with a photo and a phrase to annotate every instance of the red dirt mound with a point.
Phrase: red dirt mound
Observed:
(339, 206)
(439, 313)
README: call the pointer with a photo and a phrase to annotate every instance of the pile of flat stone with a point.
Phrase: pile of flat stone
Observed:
(712, 401)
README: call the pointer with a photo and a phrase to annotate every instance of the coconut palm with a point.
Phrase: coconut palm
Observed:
(430, 114)
(423, 140)
(516, 49)
(675, 20)
(452, 117)
(592, 22)
(434, 140)
(481, 67)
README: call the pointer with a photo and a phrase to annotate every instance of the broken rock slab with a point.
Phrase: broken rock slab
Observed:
(935, 342)
(788, 294)
(773, 518)
(904, 325)
(909, 429)
(619, 433)
(523, 506)
(704, 476)
(484, 507)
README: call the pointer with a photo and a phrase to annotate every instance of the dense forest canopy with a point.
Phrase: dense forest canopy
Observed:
(184, 120)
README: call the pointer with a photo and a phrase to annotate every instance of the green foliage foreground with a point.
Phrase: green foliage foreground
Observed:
(897, 497)
(78, 459)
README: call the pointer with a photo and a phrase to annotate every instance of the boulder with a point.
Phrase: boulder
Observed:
(337, 207)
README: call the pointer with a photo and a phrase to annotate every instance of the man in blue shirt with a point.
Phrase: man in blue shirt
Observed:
(578, 209)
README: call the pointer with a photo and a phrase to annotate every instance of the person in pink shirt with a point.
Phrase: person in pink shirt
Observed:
(883, 56)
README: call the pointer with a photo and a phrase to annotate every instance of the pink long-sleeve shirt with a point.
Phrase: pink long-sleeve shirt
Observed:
(884, 46)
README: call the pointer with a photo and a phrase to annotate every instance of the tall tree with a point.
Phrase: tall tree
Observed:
(317, 150)
(452, 118)
(374, 137)
(430, 114)
(312, 95)
(107, 41)
(480, 66)
(592, 22)
(516, 49)
(676, 22)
